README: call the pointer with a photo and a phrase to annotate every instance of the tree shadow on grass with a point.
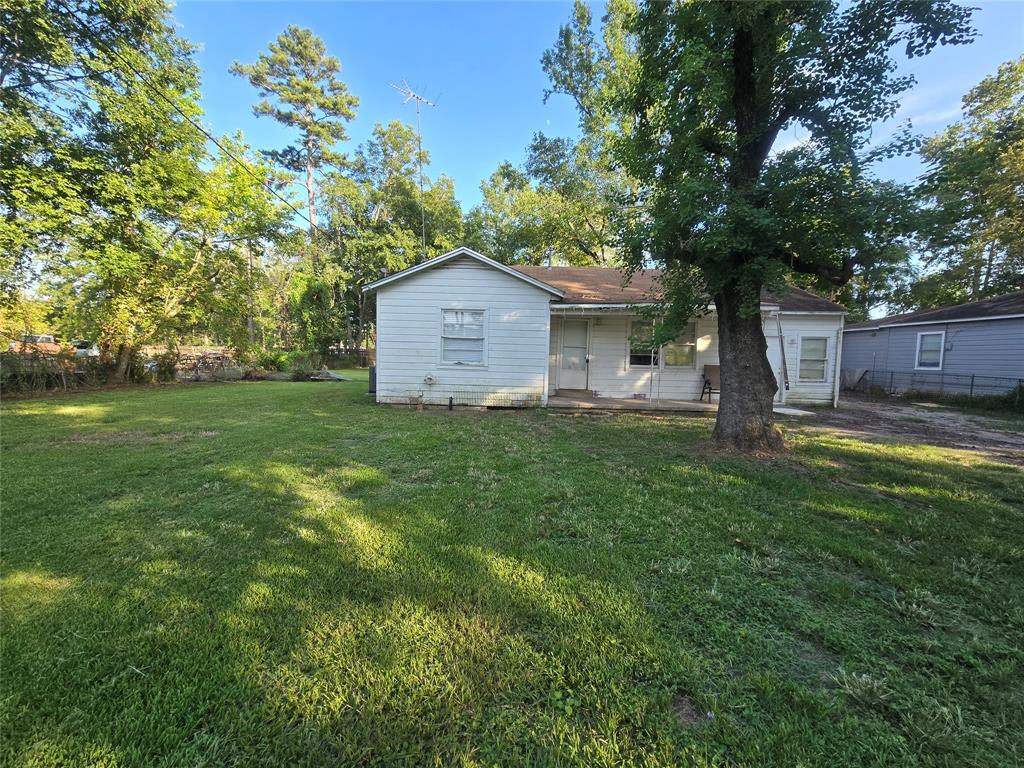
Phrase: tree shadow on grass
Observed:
(401, 599)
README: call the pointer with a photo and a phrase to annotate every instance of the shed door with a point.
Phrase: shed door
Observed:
(573, 373)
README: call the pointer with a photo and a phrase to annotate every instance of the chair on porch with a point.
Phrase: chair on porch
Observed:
(712, 381)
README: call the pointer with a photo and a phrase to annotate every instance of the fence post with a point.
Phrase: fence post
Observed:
(971, 395)
(892, 378)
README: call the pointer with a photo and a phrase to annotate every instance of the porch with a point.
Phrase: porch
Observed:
(584, 402)
(587, 402)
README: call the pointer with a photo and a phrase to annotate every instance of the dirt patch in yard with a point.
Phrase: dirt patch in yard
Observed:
(688, 713)
(996, 438)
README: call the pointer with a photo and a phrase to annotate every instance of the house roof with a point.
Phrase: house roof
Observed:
(459, 253)
(1006, 306)
(601, 285)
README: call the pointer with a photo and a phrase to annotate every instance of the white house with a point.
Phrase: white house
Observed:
(465, 328)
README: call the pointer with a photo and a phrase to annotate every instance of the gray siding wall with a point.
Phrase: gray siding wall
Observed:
(982, 348)
(865, 349)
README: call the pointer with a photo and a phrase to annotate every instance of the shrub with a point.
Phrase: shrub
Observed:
(137, 373)
(303, 361)
(166, 365)
(271, 360)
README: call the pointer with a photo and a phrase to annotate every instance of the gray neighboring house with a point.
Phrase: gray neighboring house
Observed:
(976, 348)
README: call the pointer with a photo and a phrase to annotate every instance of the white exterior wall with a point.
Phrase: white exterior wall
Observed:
(610, 374)
(796, 325)
(409, 337)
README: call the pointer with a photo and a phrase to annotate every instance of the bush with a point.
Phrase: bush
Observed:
(304, 361)
(137, 372)
(271, 360)
(166, 365)
(342, 361)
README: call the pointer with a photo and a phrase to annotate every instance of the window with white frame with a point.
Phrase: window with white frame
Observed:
(681, 352)
(813, 358)
(463, 336)
(929, 349)
(642, 352)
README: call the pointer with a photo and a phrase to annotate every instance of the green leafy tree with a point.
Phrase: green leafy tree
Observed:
(52, 54)
(300, 88)
(375, 218)
(975, 189)
(560, 206)
(698, 110)
(554, 209)
(510, 223)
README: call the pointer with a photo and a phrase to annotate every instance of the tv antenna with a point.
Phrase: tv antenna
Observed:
(418, 100)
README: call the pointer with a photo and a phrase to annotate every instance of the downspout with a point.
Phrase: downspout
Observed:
(839, 357)
(782, 352)
(547, 361)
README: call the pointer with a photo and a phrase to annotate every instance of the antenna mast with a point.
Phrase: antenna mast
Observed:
(417, 99)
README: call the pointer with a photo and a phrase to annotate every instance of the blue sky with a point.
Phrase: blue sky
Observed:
(480, 61)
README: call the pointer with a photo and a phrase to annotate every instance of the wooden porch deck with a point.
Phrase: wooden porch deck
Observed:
(581, 402)
(589, 402)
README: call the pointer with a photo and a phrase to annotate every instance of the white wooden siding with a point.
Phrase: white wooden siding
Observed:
(611, 375)
(795, 326)
(409, 337)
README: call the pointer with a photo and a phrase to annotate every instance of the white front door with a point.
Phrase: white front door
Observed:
(573, 366)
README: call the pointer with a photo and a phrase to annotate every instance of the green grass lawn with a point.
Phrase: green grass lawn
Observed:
(277, 573)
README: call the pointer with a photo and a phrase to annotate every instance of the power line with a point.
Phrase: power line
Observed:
(241, 163)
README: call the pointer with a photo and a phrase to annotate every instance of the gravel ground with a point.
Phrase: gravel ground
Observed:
(999, 437)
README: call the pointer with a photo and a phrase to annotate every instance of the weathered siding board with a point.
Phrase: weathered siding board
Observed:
(409, 337)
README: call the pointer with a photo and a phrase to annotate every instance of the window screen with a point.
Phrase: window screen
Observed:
(683, 351)
(463, 336)
(929, 350)
(642, 351)
(813, 358)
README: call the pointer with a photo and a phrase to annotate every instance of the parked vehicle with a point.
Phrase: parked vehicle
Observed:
(85, 348)
(35, 343)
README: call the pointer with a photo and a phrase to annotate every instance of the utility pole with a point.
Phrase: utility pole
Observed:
(417, 99)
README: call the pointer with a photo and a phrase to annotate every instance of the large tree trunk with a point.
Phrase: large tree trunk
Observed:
(311, 199)
(250, 324)
(745, 421)
(119, 371)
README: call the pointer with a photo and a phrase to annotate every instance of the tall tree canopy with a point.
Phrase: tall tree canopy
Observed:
(557, 207)
(111, 203)
(54, 55)
(300, 88)
(374, 217)
(975, 189)
(699, 92)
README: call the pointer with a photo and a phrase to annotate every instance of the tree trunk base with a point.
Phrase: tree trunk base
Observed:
(745, 420)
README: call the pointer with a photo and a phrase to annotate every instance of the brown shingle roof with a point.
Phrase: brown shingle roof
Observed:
(997, 306)
(600, 285)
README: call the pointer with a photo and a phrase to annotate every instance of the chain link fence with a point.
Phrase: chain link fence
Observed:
(936, 382)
